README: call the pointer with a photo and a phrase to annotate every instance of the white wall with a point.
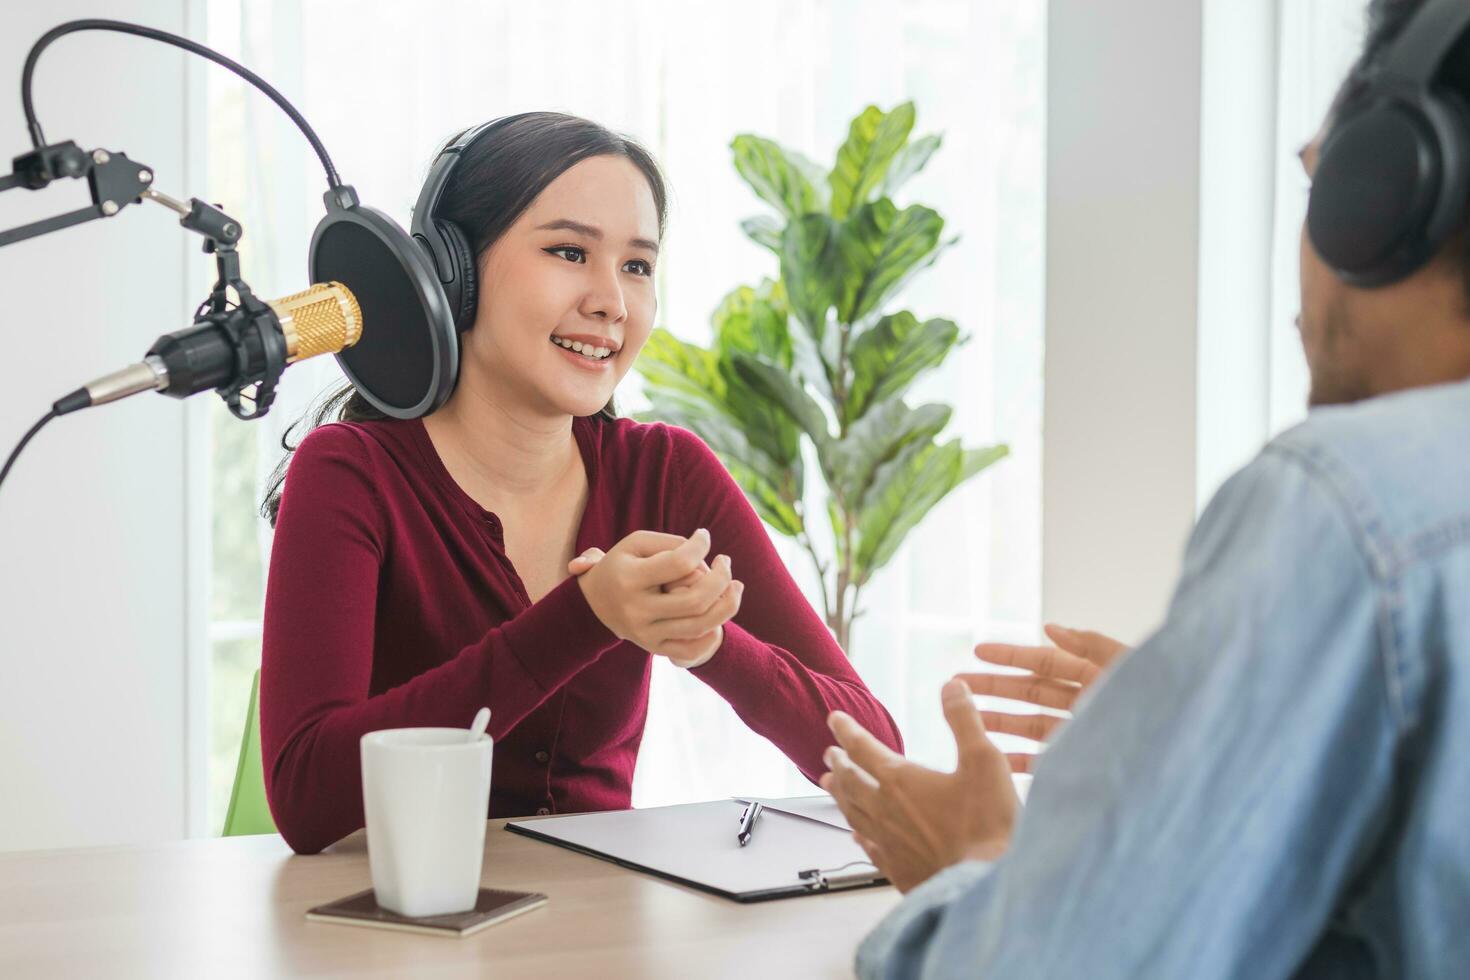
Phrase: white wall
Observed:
(1123, 203)
(92, 530)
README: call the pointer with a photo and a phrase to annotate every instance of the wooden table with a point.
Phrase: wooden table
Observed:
(236, 907)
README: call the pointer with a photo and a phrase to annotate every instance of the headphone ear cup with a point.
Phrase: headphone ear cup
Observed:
(1391, 185)
(463, 293)
(1372, 193)
(1451, 118)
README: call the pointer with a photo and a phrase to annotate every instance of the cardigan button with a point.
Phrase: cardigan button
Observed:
(542, 811)
(542, 757)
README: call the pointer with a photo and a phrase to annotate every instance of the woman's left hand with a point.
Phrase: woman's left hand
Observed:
(584, 562)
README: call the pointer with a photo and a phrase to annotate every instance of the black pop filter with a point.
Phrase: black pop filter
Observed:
(408, 358)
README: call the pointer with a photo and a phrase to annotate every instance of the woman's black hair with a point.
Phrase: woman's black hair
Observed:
(497, 178)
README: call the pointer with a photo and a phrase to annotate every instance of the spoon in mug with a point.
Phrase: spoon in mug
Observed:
(478, 726)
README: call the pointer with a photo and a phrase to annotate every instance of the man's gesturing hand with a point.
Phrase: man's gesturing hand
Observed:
(1058, 677)
(913, 821)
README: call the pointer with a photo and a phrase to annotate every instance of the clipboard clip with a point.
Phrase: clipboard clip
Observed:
(829, 879)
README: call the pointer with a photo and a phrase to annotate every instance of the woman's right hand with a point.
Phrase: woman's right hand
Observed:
(652, 589)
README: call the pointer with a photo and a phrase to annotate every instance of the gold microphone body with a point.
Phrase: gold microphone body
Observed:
(323, 319)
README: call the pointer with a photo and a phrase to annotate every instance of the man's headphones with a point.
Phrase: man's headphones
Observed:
(1393, 175)
(449, 248)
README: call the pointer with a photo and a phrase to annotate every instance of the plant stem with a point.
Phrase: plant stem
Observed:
(806, 542)
(844, 580)
(839, 389)
(841, 626)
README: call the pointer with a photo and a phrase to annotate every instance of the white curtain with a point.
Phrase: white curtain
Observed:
(384, 82)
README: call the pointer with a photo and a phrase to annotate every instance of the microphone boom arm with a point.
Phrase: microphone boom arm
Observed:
(258, 347)
(115, 182)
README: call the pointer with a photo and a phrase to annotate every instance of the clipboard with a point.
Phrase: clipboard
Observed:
(694, 844)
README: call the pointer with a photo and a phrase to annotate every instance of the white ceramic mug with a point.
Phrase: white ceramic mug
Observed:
(426, 796)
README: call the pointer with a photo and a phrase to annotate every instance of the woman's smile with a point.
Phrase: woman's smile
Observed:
(588, 352)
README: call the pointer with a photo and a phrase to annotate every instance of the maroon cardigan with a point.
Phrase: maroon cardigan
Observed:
(391, 604)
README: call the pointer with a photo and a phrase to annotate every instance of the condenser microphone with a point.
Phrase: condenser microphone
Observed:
(213, 354)
(406, 362)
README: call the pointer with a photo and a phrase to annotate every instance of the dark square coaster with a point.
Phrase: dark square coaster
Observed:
(491, 907)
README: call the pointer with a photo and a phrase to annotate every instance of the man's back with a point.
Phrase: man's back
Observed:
(1270, 785)
(1401, 465)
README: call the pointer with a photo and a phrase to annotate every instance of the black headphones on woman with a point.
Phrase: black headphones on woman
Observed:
(1393, 175)
(449, 248)
(417, 291)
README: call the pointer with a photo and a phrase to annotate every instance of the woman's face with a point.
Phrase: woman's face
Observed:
(566, 294)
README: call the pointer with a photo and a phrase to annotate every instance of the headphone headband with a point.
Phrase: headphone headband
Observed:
(443, 167)
(449, 248)
(1416, 55)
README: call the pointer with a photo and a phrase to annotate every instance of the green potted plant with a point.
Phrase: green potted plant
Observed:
(816, 356)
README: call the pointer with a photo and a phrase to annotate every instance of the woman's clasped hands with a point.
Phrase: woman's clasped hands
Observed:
(656, 590)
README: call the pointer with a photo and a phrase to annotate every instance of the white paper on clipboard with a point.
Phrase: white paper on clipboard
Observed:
(695, 844)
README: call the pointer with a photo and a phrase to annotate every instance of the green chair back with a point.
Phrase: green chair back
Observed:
(249, 813)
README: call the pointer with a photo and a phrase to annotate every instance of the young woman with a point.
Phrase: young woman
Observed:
(424, 568)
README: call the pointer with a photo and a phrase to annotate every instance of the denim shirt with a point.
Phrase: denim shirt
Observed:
(1277, 782)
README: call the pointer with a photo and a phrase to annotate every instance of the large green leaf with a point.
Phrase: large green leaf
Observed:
(814, 364)
(811, 268)
(677, 400)
(778, 176)
(774, 490)
(753, 320)
(781, 389)
(880, 247)
(904, 491)
(878, 437)
(911, 481)
(723, 436)
(764, 230)
(887, 357)
(910, 160)
(668, 362)
(976, 460)
(873, 140)
(767, 425)
(704, 381)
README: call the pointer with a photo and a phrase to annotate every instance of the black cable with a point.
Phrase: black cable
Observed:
(123, 27)
(22, 444)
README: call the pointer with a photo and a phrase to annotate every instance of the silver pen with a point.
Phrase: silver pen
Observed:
(747, 823)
